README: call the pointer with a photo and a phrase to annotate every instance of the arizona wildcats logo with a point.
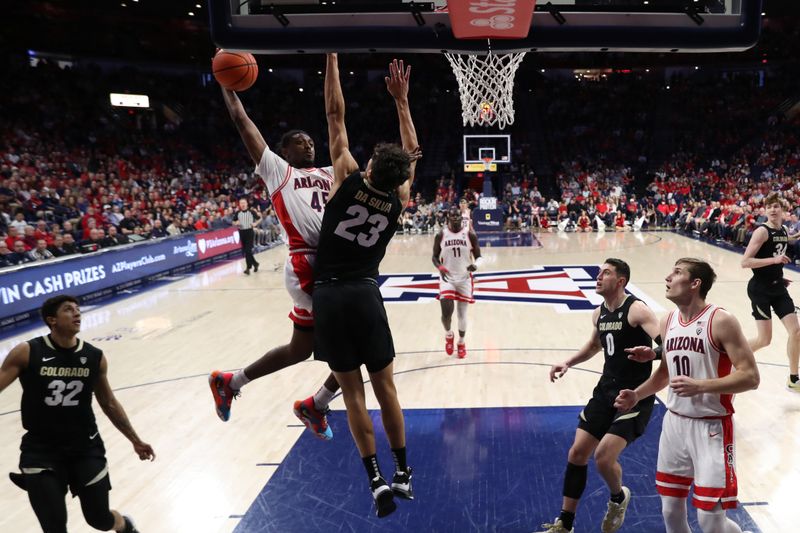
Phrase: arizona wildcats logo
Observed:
(567, 288)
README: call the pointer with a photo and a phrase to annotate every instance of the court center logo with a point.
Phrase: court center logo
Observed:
(566, 288)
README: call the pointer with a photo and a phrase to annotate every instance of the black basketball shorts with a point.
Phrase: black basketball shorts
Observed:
(600, 417)
(350, 326)
(765, 295)
(74, 467)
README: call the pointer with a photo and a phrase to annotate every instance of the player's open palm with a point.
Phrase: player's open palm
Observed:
(397, 80)
(625, 400)
(641, 354)
(557, 371)
(144, 451)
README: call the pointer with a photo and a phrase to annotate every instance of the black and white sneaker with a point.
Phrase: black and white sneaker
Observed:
(401, 484)
(382, 494)
(130, 527)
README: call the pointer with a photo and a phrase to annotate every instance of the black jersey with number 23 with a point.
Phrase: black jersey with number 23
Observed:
(358, 224)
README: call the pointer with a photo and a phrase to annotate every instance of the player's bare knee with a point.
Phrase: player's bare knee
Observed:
(604, 459)
(578, 455)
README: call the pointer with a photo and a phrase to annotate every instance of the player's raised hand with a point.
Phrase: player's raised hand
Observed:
(144, 451)
(626, 399)
(557, 371)
(415, 154)
(397, 80)
(641, 354)
(685, 386)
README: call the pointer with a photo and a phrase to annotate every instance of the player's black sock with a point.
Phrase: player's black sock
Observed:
(793, 378)
(618, 498)
(399, 456)
(567, 519)
(371, 464)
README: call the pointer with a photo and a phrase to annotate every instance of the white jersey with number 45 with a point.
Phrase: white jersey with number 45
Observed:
(299, 196)
(690, 351)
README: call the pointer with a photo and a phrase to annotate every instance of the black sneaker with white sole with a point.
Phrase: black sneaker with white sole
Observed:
(383, 496)
(401, 484)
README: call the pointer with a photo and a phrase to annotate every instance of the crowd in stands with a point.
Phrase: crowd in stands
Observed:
(77, 175)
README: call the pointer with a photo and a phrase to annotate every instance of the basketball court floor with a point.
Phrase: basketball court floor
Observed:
(487, 435)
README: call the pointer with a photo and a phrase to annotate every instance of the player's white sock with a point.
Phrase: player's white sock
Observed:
(716, 521)
(239, 380)
(323, 397)
(449, 334)
(674, 511)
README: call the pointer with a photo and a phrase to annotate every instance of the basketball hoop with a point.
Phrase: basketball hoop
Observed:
(487, 163)
(486, 87)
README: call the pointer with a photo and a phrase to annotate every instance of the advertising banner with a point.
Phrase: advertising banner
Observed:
(487, 220)
(25, 289)
(217, 242)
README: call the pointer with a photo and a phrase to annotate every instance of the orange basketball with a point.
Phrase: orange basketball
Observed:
(236, 71)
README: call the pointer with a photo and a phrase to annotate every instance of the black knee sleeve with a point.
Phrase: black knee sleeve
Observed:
(94, 504)
(575, 480)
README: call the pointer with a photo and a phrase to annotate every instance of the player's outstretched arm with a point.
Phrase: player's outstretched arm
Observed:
(586, 352)
(114, 411)
(15, 362)
(252, 138)
(397, 84)
(641, 315)
(727, 333)
(343, 162)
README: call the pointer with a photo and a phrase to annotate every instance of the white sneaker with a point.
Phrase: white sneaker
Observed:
(615, 515)
(556, 527)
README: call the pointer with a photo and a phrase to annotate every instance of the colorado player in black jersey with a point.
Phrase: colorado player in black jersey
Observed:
(351, 325)
(62, 447)
(622, 321)
(766, 255)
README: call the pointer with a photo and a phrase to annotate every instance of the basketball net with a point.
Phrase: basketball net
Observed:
(486, 87)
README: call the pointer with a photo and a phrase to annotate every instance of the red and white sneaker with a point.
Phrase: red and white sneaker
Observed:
(462, 350)
(448, 343)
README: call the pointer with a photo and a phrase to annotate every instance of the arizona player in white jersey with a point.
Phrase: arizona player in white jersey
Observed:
(466, 214)
(456, 255)
(702, 345)
(299, 192)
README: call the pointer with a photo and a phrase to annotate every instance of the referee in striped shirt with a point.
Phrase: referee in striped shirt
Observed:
(245, 219)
